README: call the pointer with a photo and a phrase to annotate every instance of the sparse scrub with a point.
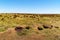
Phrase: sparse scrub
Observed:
(2, 29)
(33, 21)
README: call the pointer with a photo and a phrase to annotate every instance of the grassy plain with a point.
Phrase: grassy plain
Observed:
(8, 22)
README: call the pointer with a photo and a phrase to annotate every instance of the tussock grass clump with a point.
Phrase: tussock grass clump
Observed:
(2, 29)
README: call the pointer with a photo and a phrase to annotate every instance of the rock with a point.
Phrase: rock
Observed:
(56, 27)
(15, 16)
(27, 27)
(40, 28)
(18, 28)
(47, 26)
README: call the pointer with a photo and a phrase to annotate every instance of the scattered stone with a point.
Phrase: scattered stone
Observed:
(56, 27)
(18, 28)
(48, 26)
(27, 27)
(40, 28)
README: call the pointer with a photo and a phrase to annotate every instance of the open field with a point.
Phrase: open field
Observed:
(17, 26)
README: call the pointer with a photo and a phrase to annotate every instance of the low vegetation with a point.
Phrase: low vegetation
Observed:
(30, 24)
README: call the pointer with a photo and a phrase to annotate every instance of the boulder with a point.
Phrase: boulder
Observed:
(18, 28)
(47, 26)
(27, 27)
(40, 28)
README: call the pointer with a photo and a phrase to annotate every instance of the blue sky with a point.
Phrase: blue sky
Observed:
(30, 6)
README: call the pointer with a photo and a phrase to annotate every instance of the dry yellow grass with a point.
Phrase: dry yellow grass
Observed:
(8, 22)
